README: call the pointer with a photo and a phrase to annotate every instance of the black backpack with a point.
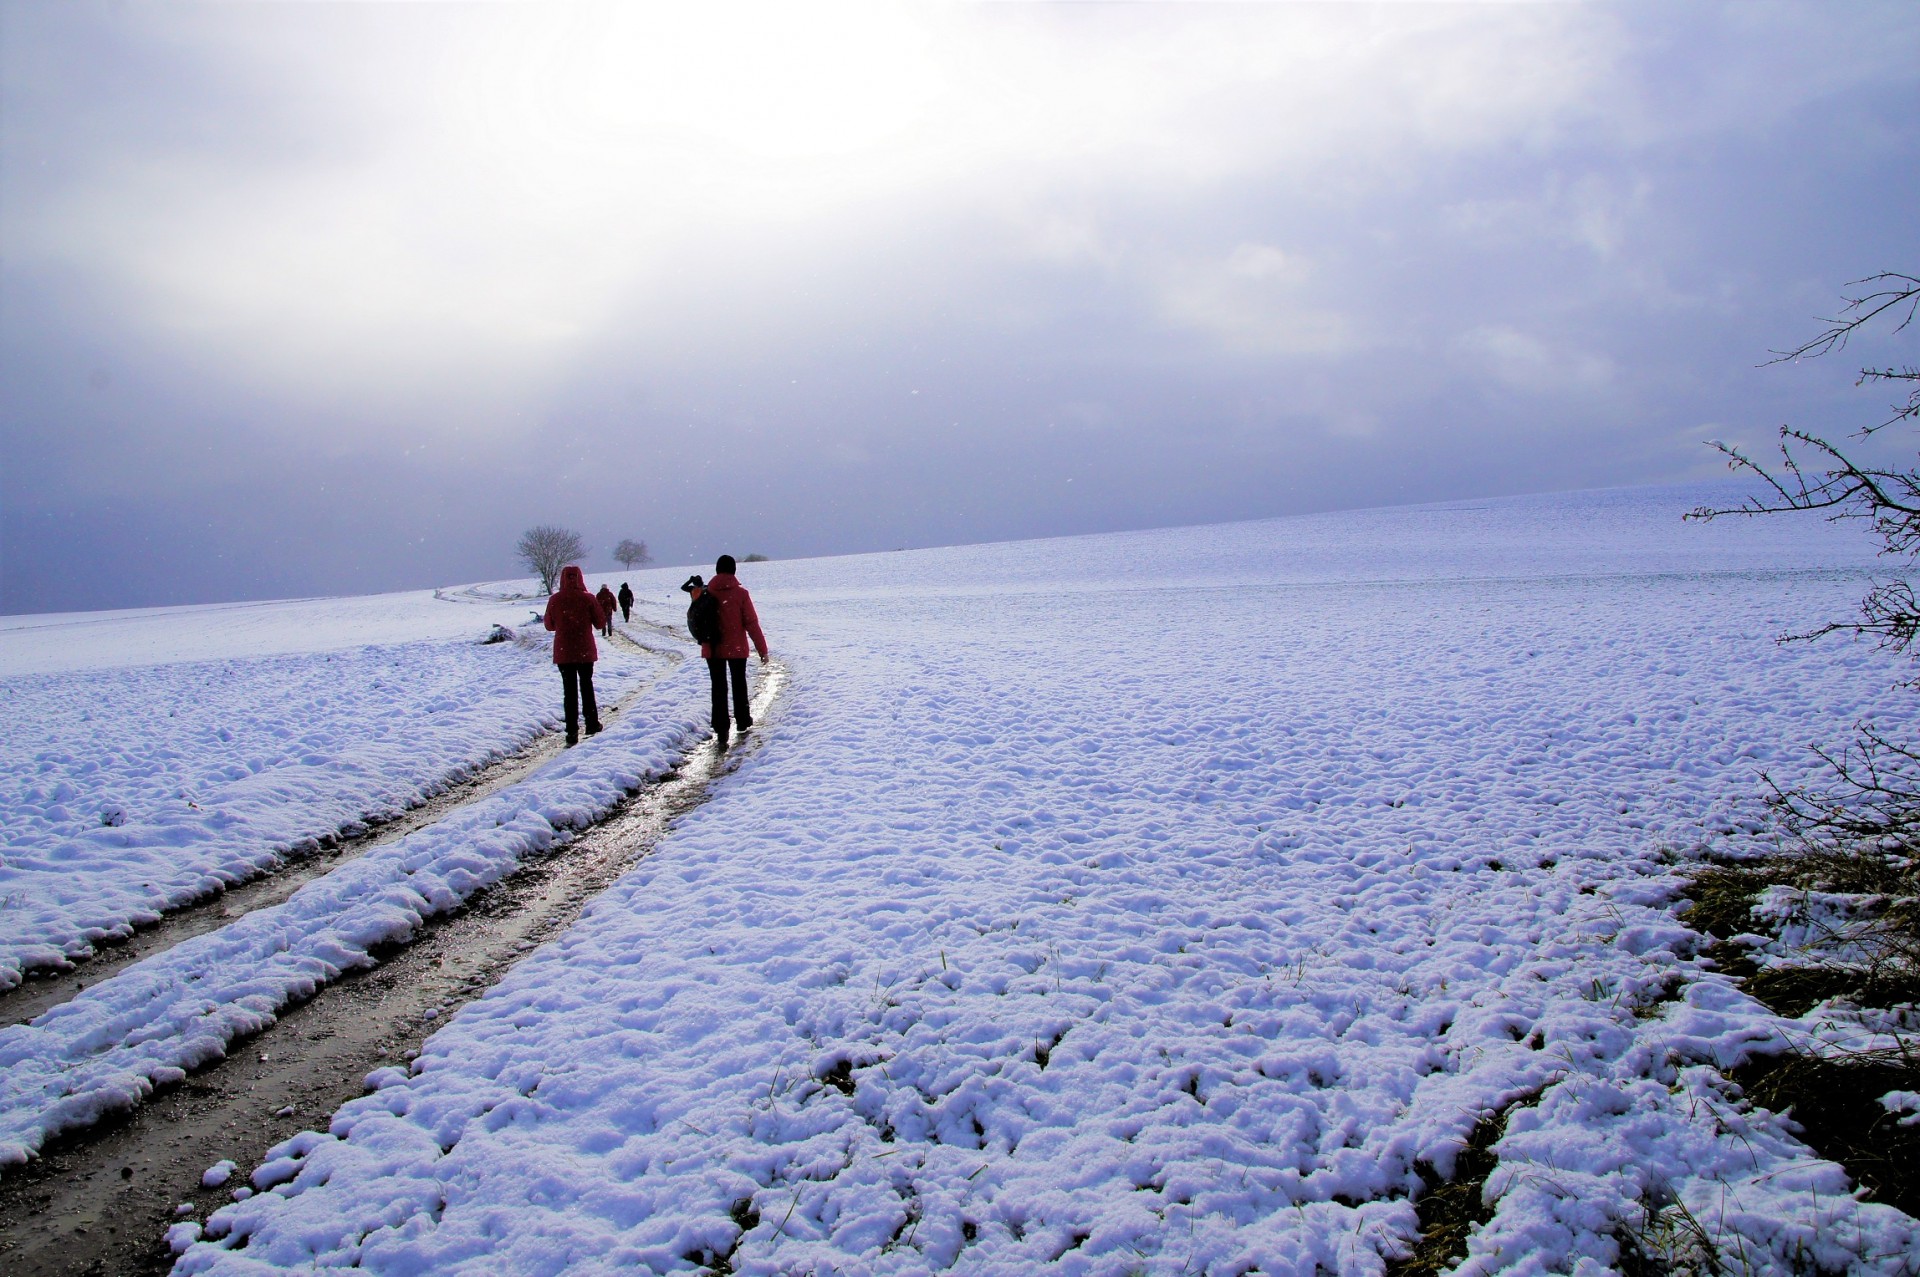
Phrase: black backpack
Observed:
(703, 619)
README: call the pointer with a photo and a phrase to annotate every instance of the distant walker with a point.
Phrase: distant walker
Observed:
(605, 599)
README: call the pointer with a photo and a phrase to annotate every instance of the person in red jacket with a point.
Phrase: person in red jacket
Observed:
(727, 659)
(605, 599)
(573, 615)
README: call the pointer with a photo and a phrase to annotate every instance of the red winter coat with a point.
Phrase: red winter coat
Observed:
(573, 615)
(607, 603)
(737, 619)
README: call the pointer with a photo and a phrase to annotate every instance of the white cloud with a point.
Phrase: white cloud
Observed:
(1265, 264)
(435, 210)
(1254, 300)
(433, 198)
(1590, 211)
(1523, 361)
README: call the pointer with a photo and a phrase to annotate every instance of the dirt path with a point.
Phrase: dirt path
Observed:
(99, 1201)
(46, 988)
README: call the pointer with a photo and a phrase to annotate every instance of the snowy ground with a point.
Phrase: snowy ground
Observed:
(1154, 902)
(148, 758)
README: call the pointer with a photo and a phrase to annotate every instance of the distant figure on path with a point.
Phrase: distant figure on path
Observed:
(727, 655)
(573, 615)
(605, 599)
(626, 603)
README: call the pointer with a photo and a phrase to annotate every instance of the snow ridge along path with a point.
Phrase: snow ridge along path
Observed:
(47, 988)
(109, 1046)
(213, 744)
(1162, 903)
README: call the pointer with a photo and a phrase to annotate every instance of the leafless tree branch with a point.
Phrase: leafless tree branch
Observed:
(632, 554)
(1869, 798)
(546, 549)
(1887, 291)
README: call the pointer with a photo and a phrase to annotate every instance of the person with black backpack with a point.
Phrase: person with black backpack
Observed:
(721, 617)
(702, 623)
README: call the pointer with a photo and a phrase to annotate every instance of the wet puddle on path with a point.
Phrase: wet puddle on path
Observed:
(98, 1201)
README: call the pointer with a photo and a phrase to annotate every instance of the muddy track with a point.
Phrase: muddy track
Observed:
(99, 1201)
(47, 987)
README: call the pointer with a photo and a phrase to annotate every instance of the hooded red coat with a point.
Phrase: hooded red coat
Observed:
(573, 615)
(737, 620)
(607, 603)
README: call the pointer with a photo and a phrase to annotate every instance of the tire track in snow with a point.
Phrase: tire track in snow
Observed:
(99, 1200)
(48, 987)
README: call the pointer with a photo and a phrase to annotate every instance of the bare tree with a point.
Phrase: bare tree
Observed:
(1871, 795)
(1815, 474)
(632, 554)
(546, 549)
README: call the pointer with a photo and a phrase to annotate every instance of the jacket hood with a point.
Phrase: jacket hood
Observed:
(723, 583)
(572, 579)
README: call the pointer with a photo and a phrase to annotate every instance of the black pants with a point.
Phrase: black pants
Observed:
(626, 611)
(723, 670)
(576, 688)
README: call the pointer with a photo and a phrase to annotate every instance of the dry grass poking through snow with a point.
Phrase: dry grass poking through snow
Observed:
(1833, 930)
(1450, 1209)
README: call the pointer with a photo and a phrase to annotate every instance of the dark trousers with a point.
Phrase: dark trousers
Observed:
(576, 688)
(626, 612)
(723, 670)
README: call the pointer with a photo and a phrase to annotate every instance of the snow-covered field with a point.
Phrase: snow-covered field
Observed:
(148, 758)
(1154, 902)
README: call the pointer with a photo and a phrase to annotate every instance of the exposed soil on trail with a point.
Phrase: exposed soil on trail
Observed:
(48, 987)
(98, 1201)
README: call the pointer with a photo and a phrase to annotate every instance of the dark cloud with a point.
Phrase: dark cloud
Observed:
(322, 299)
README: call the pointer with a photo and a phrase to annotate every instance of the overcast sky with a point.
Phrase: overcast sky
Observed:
(322, 298)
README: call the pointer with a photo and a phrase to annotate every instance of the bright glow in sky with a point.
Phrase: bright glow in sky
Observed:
(304, 298)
